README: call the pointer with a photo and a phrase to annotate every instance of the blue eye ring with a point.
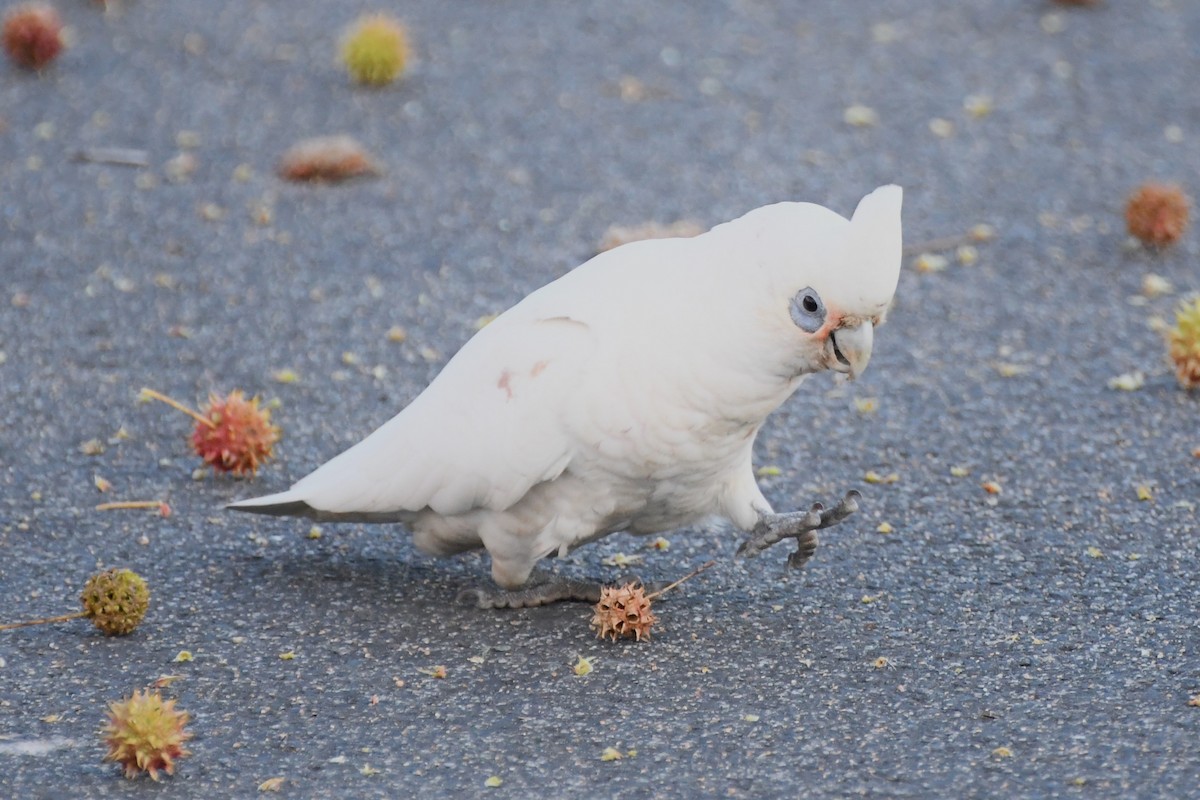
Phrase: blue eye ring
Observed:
(807, 310)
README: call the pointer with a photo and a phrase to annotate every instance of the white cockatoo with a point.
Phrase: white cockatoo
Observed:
(624, 396)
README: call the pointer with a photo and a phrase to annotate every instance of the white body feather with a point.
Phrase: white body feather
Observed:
(625, 395)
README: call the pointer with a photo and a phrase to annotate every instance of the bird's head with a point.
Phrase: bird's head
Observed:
(828, 281)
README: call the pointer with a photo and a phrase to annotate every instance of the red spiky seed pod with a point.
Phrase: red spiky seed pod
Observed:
(1157, 213)
(145, 733)
(623, 612)
(1183, 342)
(235, 434)
(32, 35)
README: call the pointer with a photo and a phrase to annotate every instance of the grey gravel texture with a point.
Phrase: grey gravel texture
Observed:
(1040, 642)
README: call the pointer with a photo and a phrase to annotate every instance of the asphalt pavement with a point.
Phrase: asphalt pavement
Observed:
(1036, 642)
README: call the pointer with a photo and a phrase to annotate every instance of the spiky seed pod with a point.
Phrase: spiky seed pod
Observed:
(237, 435)
(326, 158)
(623, 612)
(375, 50)
(32, 35)
(1183, 342)
(1157, 213)
(115, 600)
(145, 733)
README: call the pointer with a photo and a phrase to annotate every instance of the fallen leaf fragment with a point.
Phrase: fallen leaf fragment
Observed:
(884, 527)
(750, 718)
(860, 116)
(288, 656)
(271, 785)
(991, 487)
(92, 447)
(583, 666)
(959, 472)
(866, 405)
(611, 754)
(1094, 552)
(182, 656)
(494, 782)
(1009, 370)
(874, 477)
(930, 262)
(1128, 381)
(102, 485)
(285, 376)
(368, 770)
(326, 158)
(1194, 701)
(621, 560)
(1143, 492)
(1002, 752)
(769, 471)
(660, 543)
(438, 671)
(164, 681)
(1155, 285)
(977, 105)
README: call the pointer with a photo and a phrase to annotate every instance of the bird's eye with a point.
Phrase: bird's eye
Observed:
(807, 310)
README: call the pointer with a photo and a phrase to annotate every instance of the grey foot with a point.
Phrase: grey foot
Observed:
(540, 590)
(799, 525)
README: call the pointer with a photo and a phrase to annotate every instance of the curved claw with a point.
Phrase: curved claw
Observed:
(800, 526)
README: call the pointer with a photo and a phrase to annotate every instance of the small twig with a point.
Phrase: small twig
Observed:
(153, 395)
(11, 625)
(119, 156)
(122, 504)
(687, 577)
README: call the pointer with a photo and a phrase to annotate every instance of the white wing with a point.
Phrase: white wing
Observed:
(488, 428)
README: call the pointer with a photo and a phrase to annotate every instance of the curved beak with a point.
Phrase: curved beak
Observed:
(850, 348)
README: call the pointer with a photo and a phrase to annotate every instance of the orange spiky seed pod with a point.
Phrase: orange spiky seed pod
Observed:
(375, 49)
(1157, 213)
(1183, 342)
(145, 733)
(115, 600)
(623, 612)
(32, 35)
(326, 158)
(234, 435)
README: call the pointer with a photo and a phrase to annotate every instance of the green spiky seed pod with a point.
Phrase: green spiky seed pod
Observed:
(115, 600)
(1184, 344)
(375, 50)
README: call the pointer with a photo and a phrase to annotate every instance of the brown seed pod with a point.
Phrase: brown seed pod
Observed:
(623, 612)
(326, 158)
(1157, 213)
(32, 35)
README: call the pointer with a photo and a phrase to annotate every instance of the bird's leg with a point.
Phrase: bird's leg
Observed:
(799, 525)
(541, 589)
